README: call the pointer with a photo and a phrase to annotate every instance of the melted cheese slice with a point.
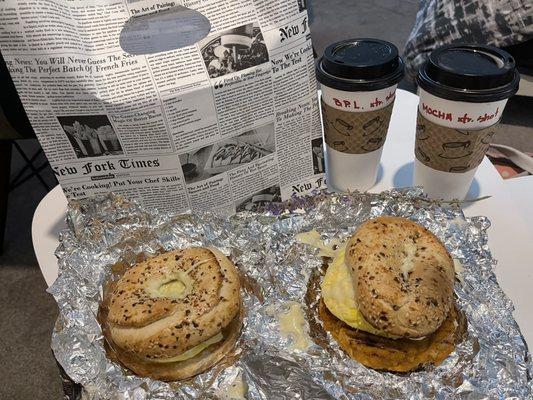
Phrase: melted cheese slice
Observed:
(314, 239)
(292, 324)
(235, 391)
(193, 351)
(339, 295)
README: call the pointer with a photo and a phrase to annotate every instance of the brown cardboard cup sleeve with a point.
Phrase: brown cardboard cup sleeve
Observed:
(448, 149)
(355, 132)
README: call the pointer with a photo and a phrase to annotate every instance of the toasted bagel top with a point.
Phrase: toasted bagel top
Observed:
(403, 276)
(168, 304)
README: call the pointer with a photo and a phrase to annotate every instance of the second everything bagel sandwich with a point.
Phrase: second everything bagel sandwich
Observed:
(175, 315)
(387, 297)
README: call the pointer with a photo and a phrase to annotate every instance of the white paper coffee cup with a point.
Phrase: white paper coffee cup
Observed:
(467, 117)
(349, 171)
(459, 114)
(359, 79)
(463, 92)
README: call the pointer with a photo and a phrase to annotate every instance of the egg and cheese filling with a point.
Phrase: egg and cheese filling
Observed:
(192, 351)
(339, 295)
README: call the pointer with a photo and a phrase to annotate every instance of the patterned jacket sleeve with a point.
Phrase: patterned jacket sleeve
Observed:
(496, 22)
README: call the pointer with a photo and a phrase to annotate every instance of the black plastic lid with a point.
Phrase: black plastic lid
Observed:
(355, 65)
(473, 73)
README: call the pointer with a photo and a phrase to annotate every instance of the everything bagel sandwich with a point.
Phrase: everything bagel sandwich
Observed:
(175, 315)
(387, 297)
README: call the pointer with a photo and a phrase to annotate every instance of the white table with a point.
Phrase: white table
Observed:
(509, 209)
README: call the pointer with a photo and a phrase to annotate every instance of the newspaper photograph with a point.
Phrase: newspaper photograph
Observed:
(91, 135)
(181, 105)
(234, 50)
(228, 154)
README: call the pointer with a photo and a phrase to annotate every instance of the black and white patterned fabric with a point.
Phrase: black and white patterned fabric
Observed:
(499, 23)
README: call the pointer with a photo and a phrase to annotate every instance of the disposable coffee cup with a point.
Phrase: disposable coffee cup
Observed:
(358, 80)
(463, 91)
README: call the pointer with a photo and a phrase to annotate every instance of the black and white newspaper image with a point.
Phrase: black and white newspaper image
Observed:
(268, 195)
(227, 154)
(91, 135)
(227, 111)
(318, 155)
(302, 5)
(233, 50)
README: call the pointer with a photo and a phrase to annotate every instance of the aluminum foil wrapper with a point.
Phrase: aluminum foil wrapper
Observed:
(492, 360)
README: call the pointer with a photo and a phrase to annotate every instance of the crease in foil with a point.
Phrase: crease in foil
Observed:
(492, 361)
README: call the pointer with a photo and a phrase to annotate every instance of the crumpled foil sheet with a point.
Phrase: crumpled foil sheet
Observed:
(491, 362)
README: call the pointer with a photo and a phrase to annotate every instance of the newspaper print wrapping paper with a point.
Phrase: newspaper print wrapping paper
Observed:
(492, 361)
(136, 96)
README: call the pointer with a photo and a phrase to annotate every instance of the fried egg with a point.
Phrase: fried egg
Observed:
(339, 295)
